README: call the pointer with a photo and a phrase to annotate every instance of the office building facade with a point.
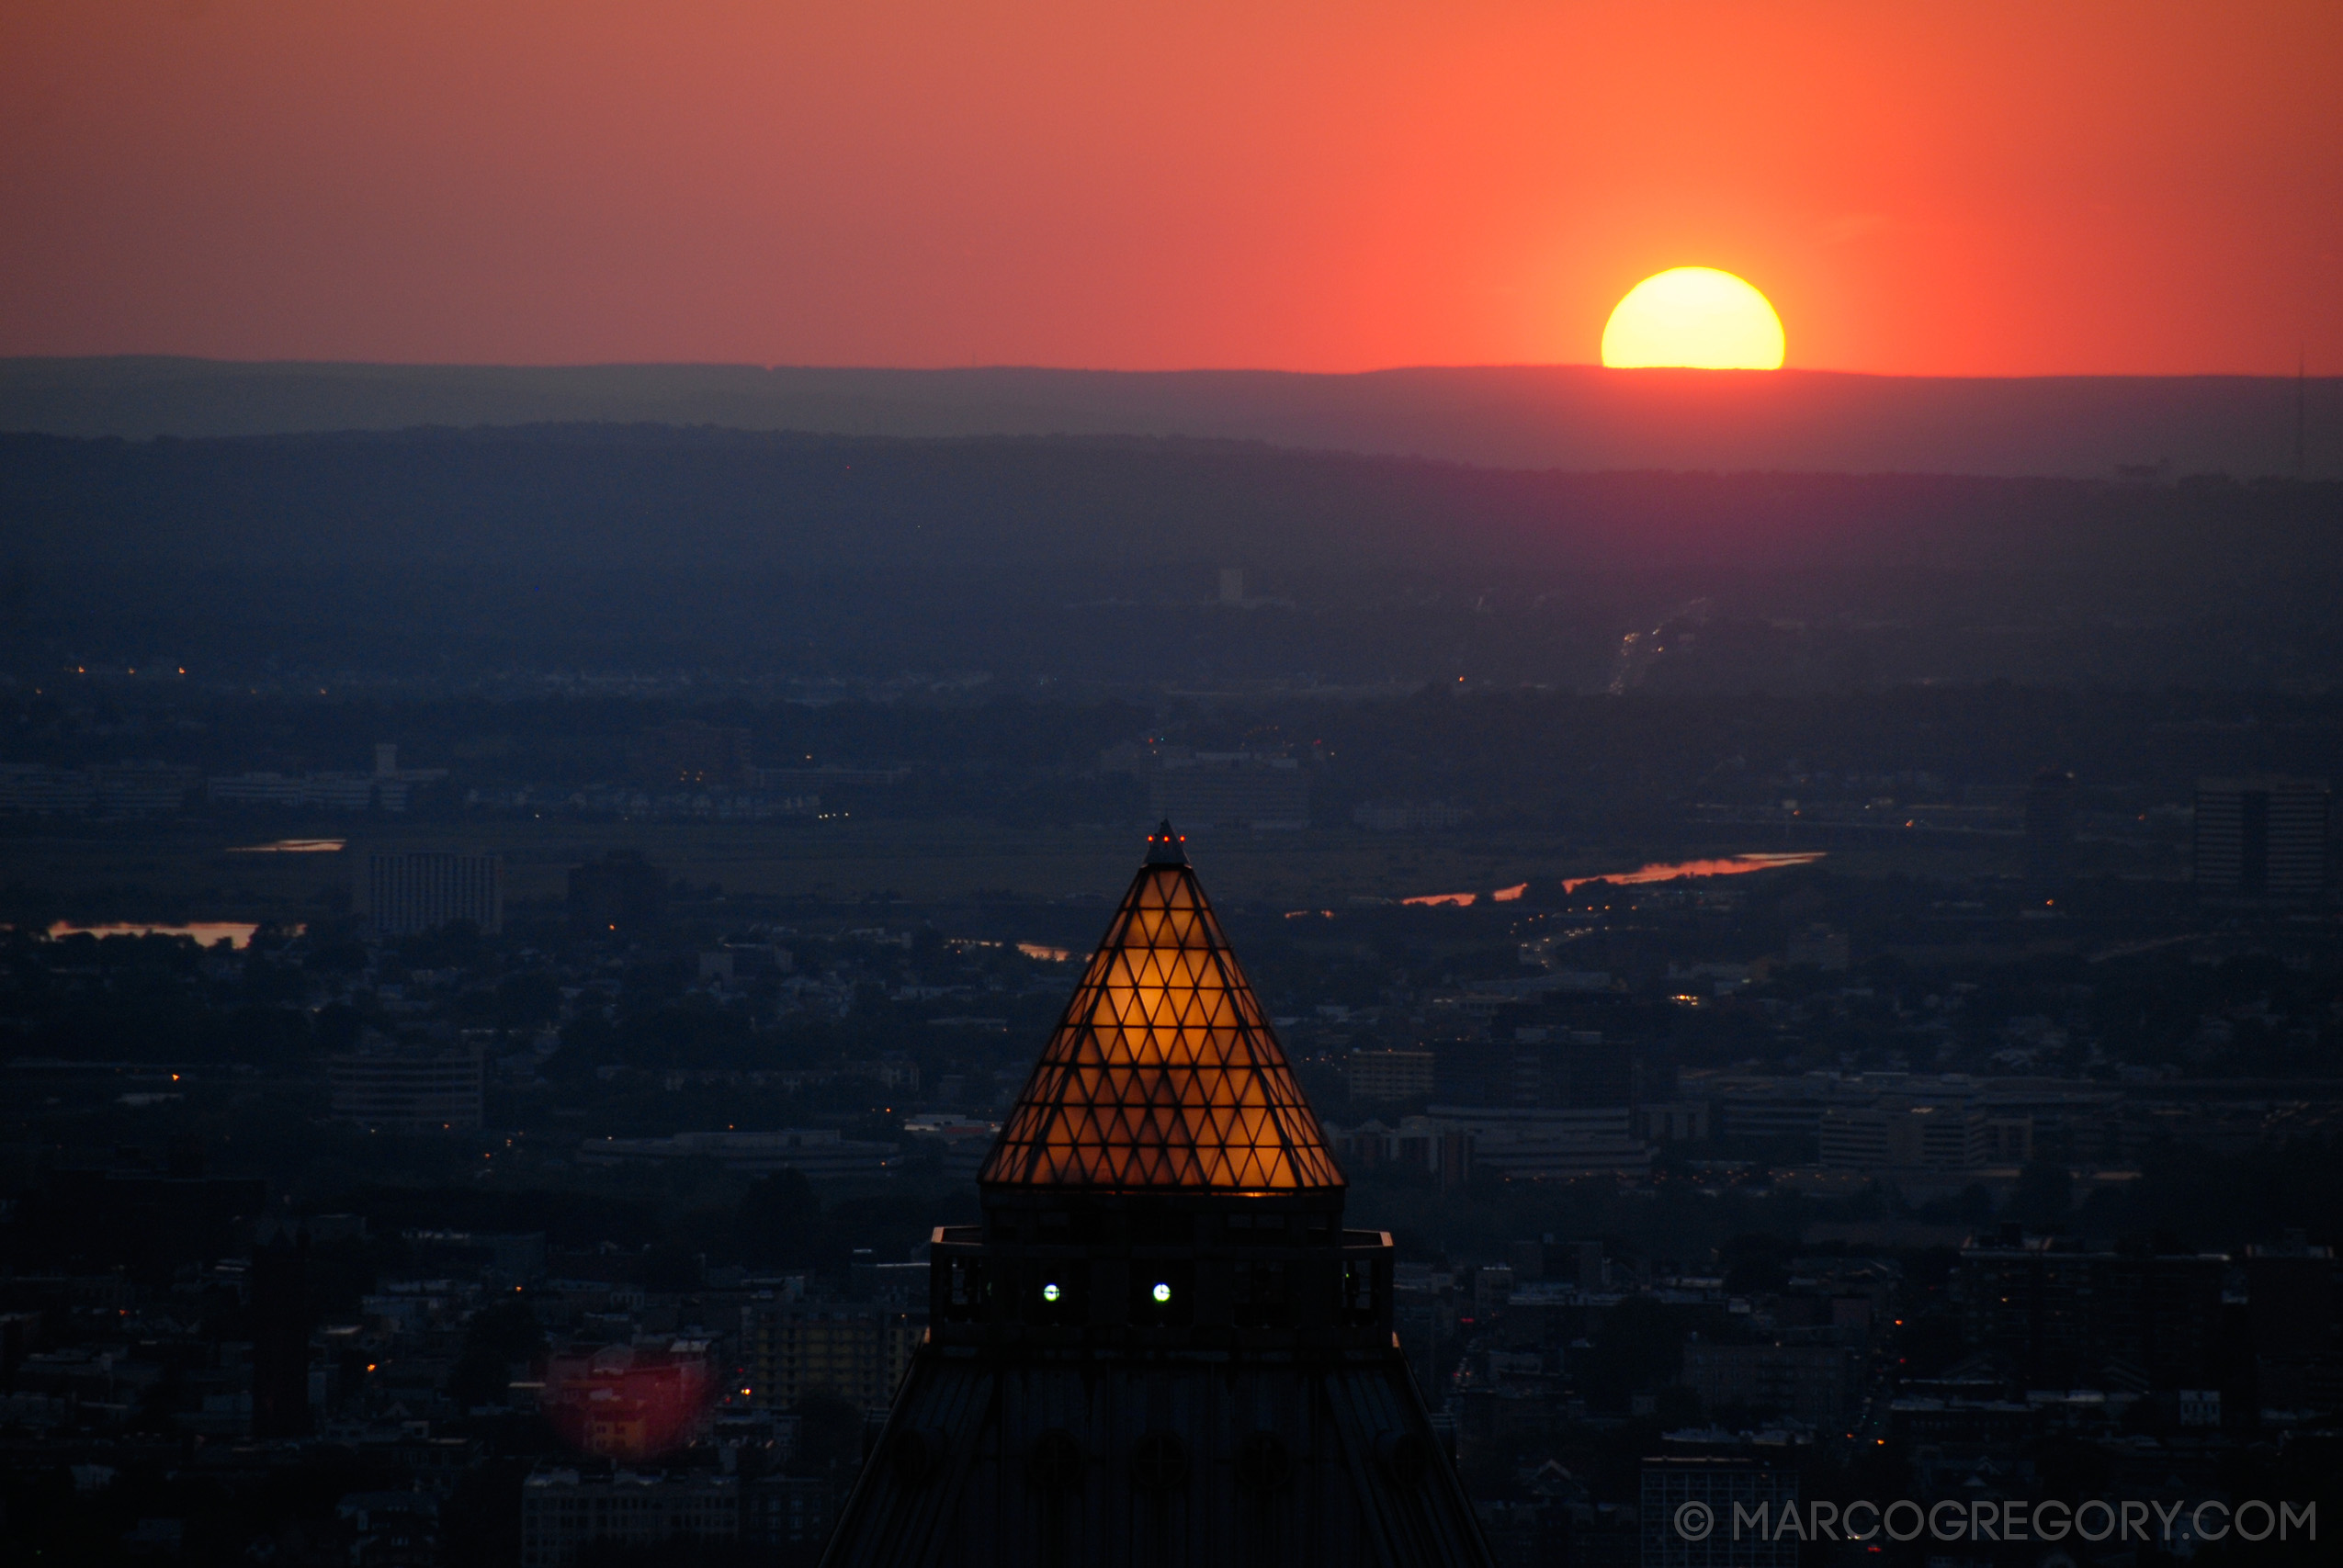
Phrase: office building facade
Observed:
(408, 891)
(1813, 1383)
(2050, 832)
(409, 1089)
(1389, 1075)
(1714, 1489)
(1951, 1135)
(2261, 839)
(859, 1353)
(563, 1512)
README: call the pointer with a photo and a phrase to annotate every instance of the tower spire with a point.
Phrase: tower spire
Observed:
(1161, 1348)
(1163, 1073)
(1165, 846)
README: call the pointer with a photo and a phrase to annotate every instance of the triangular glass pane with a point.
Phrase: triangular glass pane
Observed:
(1162, 1070)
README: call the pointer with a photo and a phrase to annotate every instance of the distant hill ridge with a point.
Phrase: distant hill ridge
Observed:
(1099, 557)
(1568, 417)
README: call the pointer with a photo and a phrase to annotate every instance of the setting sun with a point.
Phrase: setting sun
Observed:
(1693, 316)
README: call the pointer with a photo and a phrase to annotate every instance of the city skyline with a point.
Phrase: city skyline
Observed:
(1737, 603)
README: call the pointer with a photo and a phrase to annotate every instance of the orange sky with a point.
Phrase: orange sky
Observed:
(1920, 187)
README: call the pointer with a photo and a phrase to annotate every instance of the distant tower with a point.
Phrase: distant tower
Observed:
(279, 1282)
(1232, 585)
(386, 758)
(2261, 839)
(1161, 1347)
(2050, 831)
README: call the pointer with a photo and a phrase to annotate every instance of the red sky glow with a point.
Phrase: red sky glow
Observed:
(1988, 188)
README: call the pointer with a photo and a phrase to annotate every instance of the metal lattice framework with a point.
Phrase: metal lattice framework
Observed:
(1163, 1072)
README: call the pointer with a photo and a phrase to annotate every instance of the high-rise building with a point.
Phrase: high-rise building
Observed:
(406, 891)
(1389, 1073)
(792, 1348)
(1160, 1346)
(2068, 1319)
(277, 1281)
(2261, 838)
(2050, 831)
(1703, 1513)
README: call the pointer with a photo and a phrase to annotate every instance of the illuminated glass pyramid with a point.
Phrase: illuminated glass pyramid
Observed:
(1163, 1073)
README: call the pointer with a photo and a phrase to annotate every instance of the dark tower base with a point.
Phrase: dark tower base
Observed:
(1195, 1458)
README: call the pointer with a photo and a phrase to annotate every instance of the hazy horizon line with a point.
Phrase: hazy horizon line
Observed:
(1012, 367)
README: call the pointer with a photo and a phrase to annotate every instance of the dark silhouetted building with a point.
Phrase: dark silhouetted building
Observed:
(1896, 1132)
(1720, 1486)
(2050, 831)
(857, 1351)
(406, 891)
(1419, 1143)
(1161, 1347)
(788, 1514)
(2261, 838)
(1813, 1383)
(391, 1530)
(1389, 1073)
(279, 1282)
(619, 895)
(2294, 1308)
(411, 1088)
(150, 1221)
(1545, 1143)
(563, 1512)
(1571, 1069)
(2069, 1319)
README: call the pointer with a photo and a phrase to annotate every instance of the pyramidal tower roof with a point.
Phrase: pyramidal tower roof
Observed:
(1163, 1074)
